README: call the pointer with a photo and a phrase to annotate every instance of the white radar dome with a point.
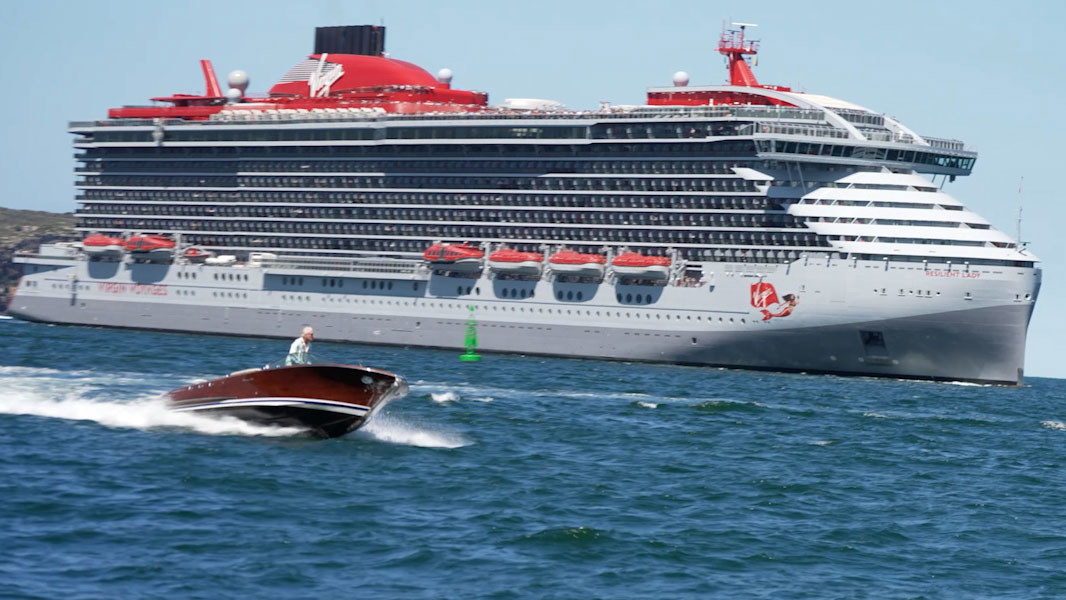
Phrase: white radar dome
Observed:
(444, 75)
(680, 79)
(233, 95)
(238, 80)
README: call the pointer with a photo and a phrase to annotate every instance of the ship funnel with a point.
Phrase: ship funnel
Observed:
(368, 40)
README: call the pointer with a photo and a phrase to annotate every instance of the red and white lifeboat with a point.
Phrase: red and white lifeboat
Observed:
(512, 262)
(153, 248)
(569, 262)
(633, 265)
(196, 255)
(103, 246)
(454, 257)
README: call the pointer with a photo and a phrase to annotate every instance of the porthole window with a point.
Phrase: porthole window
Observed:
(629, 298)
(570, 295)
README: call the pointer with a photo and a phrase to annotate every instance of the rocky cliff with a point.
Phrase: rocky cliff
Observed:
(26, 230)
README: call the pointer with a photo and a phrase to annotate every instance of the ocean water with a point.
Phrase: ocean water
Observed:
(521, 477)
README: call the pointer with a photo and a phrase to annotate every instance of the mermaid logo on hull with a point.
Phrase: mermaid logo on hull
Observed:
(764, 297)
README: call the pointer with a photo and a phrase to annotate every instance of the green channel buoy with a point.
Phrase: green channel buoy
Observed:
(471, 340)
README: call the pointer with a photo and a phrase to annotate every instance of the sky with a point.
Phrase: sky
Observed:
(988, 73)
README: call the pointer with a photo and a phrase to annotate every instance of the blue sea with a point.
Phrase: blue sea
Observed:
(520, 477)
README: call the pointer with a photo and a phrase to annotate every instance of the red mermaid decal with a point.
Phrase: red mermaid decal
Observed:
(764, 297)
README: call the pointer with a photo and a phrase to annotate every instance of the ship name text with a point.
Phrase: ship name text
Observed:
(960, 274)
(140, 289)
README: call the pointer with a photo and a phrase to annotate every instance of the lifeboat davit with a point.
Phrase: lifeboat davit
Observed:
(569, 262)
(454, 257)
(103, 246)
(633, 265)
(326, 400)
(512, 262)
(196, 255)
(153, 248)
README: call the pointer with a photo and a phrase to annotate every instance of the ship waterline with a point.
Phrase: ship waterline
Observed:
(760, 227)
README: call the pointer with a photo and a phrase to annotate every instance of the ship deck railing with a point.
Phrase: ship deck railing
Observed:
(381, 266)
(643, 112)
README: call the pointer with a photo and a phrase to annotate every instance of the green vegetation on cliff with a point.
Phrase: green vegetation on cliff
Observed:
(26, 230)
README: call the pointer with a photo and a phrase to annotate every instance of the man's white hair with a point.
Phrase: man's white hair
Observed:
(308, 330)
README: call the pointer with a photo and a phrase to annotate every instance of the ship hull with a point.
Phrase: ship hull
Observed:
(929, 335)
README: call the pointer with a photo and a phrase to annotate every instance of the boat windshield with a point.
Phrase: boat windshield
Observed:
(295, 359)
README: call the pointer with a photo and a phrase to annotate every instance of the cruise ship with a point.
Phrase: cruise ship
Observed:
(738, 225)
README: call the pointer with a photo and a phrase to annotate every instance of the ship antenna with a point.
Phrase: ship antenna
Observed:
(733, 45)
(1018, 232)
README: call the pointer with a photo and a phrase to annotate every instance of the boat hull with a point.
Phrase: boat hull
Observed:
(108, 252)
(158, 255)
(589, 270)
(463, 265)
(650, 273)
(325, 400)
(526, 267)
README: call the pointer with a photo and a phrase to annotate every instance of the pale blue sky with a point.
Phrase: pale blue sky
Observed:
(988, 73)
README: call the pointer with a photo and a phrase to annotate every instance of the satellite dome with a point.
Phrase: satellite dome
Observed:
(680, 79)
(444, 75)
(233, 95)
(238, 80)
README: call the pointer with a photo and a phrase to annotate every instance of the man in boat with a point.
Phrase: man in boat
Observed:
(300, 348)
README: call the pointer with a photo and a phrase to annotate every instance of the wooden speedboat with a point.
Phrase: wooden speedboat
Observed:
(326, 400)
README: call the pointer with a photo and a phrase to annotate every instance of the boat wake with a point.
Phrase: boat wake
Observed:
(85, 396)
(442, 397)
(390, 429)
